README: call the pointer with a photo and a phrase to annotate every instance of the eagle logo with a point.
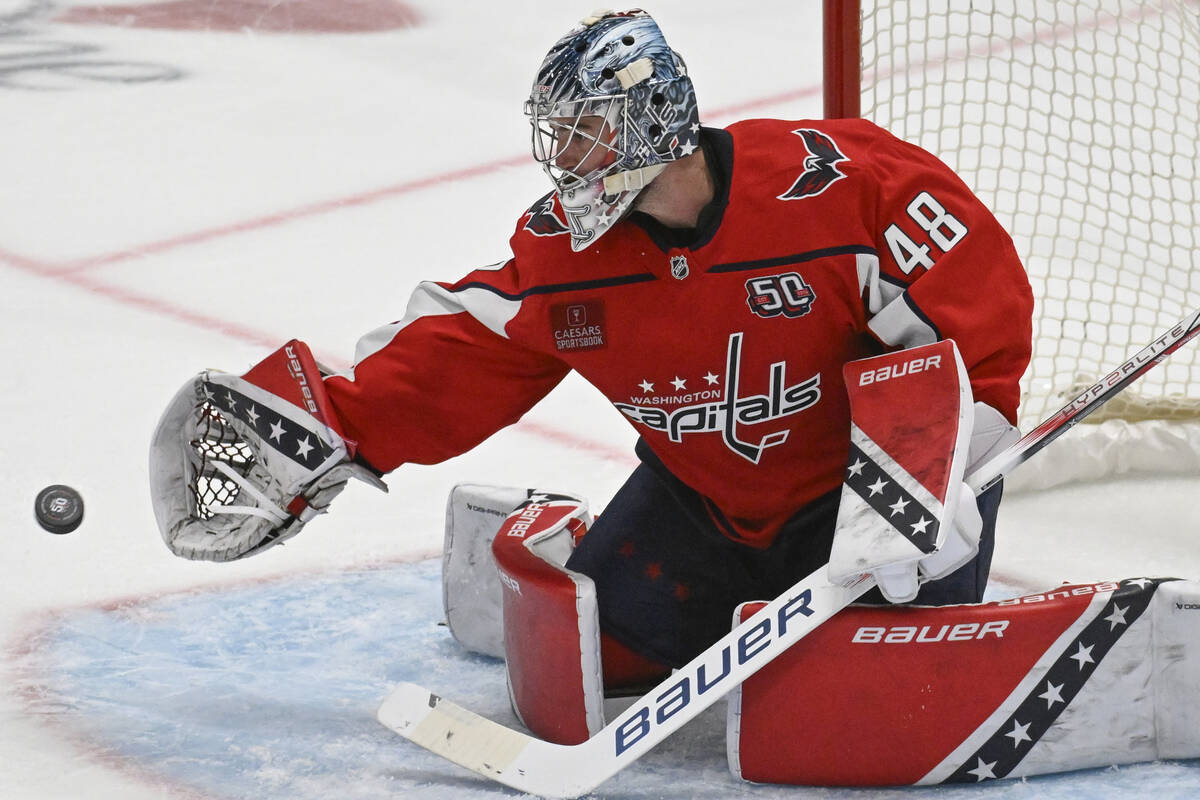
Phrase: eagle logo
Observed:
(820, 168)
(542, 219)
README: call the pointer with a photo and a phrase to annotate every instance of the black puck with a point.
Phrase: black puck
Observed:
(59, 509)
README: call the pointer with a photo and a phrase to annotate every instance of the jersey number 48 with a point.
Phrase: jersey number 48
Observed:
(944, 231)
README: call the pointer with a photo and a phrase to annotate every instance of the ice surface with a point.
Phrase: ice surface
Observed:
(273, 181)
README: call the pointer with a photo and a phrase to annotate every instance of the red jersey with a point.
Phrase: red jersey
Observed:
(828, 241)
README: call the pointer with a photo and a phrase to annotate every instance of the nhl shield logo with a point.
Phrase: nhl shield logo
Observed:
(679, 267)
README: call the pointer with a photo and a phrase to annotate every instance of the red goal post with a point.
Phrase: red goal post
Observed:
(842, 49)
(1078, 123)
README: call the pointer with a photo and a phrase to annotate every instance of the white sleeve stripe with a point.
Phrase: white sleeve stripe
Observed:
(429, 300)
(868, 280)
(901, 324)
(878, 289)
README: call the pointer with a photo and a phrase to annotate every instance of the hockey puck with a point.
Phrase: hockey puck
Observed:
(59, 509)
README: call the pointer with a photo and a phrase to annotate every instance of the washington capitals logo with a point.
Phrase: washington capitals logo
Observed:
(734, 413)
(820, 168)
(542, 219)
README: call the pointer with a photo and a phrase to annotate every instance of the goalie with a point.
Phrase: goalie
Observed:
(711, 283)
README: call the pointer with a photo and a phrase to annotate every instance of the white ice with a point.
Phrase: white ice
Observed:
(298, 184)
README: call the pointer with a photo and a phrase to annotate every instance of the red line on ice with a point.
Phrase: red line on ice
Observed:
(72, 272)
(75, 272)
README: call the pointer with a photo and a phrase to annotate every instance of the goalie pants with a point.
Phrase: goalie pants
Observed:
(668, 581)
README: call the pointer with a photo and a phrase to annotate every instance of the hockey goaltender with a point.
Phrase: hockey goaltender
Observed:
(817, 331)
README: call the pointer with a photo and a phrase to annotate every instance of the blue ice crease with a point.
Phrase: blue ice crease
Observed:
(270, 690)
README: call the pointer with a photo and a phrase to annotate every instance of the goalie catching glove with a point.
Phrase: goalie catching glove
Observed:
(906, 516)
(240, 464)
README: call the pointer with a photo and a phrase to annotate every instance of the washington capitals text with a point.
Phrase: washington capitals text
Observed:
(726, 415)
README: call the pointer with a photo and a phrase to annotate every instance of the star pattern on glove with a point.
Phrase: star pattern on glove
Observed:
(1015, 735)
(281, 433)
(891, 501)
(303, 448)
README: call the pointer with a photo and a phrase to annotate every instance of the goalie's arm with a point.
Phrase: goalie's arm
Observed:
(240, 463)
(440, 381)
(948, 270)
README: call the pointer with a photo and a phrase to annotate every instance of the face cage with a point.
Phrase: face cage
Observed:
(556, 129)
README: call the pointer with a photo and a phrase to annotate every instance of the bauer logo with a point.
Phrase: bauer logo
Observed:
(578, 327)
(899, 370)
(1064, 593)
(929, 634)
(519, 524)
(512, 583)
(707, 672)
(295, 369)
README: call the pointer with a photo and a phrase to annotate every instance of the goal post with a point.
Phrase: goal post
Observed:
(842, 46)
(1078, 123)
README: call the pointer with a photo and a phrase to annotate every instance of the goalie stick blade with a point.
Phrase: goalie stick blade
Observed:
(451, 731)
(480, 745)
(538, 767)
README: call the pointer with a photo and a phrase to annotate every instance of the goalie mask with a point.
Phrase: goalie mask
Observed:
(611, 106)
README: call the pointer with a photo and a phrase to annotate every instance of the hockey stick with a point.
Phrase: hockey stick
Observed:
(1085, 403)
(538, 767)
(542, 768)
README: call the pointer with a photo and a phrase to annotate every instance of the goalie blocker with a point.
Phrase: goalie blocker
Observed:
(905, 515)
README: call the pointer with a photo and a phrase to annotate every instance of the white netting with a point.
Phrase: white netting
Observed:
(216, 440)
(1078, 124)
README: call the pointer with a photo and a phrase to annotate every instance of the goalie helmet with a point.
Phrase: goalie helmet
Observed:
(611, 106)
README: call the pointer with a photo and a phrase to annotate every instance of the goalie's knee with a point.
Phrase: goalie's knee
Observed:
(508, 593)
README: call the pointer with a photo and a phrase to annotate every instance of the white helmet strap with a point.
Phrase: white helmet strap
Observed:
(635, 72)
(633, 180)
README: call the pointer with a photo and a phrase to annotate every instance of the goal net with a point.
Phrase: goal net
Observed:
(1078, 124)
